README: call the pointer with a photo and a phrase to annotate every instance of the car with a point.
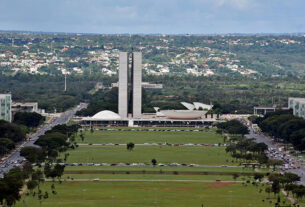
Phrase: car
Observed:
(96, 179)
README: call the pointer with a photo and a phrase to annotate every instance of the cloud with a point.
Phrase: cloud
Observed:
(153, 16)
(235, 4)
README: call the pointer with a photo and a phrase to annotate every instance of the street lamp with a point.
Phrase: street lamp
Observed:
(230, 198)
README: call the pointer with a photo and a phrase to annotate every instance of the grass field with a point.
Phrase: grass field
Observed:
(144, 154)
(144, 188)
(164, 168)
(161, 177)
(162, 194)
(123, 137)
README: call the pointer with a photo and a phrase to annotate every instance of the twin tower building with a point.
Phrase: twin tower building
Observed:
(130, 85)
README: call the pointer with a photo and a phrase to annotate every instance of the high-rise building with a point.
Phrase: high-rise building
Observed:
(130, 84)
(136, 85)
(123, 85)
(298, 106)
(5, 107)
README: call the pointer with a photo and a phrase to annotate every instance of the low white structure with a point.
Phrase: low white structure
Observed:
(183, 114)
(195, 111)
(105, 115)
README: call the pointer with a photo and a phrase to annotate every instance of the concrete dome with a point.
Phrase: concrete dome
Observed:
(106, 115)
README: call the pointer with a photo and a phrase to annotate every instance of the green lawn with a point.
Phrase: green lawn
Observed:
(140, 154)
(162, 194)
(140, 137)
(152, 177)
(164, 169)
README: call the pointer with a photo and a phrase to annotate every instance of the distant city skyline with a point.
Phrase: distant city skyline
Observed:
(154, 16)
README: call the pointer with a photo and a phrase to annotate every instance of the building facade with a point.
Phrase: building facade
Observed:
(123, 84)
(136, 85)
(130, 85)
(6, 107)
(298, 106)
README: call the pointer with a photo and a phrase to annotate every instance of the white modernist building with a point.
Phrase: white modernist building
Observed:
(194, 111)
(192, 117)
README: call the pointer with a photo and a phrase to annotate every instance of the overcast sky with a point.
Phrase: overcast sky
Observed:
(154, 16)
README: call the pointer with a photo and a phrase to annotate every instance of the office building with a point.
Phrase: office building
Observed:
(298, 106)
(5, 107)
(136, 85)
(130, 85)
(123, 84)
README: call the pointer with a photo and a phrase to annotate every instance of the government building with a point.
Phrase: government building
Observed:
(6, 107)
(130, 103)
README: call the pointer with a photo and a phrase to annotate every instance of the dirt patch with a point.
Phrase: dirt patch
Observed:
(220, 184)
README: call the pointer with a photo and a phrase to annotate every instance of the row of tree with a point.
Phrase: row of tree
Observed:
(233, 127)
(284, 125)
(10, 134)
(57, 140)
(29, 119)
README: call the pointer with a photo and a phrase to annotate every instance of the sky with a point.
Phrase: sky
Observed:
(154, 16)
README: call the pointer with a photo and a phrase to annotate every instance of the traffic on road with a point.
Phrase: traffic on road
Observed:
(274, 152)
(15, 160)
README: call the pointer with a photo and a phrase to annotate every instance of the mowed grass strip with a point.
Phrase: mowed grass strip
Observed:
(165, 169)
(140, 137)
(158, 177)
(163, 154)
(162, 194)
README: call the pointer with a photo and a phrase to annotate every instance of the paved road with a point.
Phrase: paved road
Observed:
(261, 138)
(15, 158)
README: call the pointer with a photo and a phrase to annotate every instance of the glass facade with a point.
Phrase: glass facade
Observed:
(5, 107)
(298, 106)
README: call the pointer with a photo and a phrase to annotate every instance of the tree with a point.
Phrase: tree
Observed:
(27, 169)
(29, 119)
(6, 145)
(268, 190)
(219, 131)
(275, 186)
(31, 185)
(289, 178)
(11, 131)
(258, 176)
(233, 127)
(154, 162)
(82, 137)
(130, 146)
(235, 176)
(11, 185)
(37, 175)
(32, 154)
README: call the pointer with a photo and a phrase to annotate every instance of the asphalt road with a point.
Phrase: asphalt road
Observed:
(261, 138)
(14, 159)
